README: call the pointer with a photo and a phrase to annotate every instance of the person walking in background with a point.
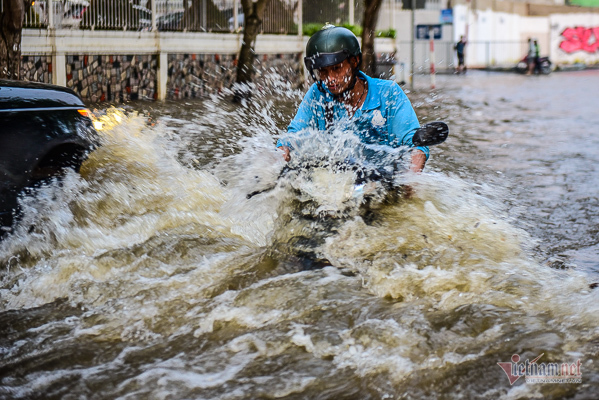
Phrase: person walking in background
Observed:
(459, 48)
(530, 58)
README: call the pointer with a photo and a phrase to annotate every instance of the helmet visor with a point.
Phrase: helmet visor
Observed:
(321, 60)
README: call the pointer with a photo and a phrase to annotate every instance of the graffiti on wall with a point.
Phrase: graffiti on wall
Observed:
(580, 39)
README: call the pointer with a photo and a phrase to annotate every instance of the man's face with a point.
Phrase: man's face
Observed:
(337, 78)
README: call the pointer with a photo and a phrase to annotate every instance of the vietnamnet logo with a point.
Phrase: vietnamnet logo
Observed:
(535, 372)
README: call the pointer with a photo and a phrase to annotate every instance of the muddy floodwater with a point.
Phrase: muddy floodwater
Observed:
(152, 275)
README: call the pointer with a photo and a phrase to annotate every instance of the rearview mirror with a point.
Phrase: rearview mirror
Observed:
(431, 134)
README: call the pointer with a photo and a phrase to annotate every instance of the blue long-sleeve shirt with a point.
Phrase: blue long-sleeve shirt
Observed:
(385, 118)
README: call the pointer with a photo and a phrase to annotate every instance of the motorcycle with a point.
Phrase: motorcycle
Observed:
(544, 66)
(328, 188)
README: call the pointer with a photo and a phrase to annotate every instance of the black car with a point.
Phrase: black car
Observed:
(43, 130)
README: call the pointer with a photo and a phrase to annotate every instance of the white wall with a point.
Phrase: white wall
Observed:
(494, 38)
(499, 38)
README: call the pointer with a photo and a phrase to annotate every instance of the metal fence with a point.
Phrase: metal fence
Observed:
(281, 16)
(336, 12)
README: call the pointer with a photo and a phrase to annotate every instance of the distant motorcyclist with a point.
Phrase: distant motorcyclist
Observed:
(378, 109)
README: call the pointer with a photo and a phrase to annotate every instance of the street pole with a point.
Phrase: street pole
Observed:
(413, 62)
(235, 15)
(300, 36)
(397, 66)
(431, 34)
(352, 10)
(392, 15)
(153, 8)
(204, 15)
(300, 19)
(467, 19)
(50, 9)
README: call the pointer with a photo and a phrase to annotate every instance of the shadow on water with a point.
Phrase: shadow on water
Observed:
(152, 275)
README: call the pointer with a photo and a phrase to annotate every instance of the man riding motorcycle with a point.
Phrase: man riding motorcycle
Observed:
(377, 110)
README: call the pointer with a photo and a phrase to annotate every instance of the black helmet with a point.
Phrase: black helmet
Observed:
(329, 46)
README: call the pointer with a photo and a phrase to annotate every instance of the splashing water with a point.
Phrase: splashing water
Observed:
(151, 275)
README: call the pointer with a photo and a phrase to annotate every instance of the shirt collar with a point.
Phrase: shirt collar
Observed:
(373, 100)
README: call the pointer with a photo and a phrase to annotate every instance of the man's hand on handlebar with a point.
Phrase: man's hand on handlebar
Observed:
(416, 165)
(286, 155)
(417, 161)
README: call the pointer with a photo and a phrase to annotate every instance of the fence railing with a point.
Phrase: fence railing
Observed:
(478, 54)
(168, 15)
(281, 16)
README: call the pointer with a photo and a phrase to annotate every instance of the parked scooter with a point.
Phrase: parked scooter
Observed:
(544, 66)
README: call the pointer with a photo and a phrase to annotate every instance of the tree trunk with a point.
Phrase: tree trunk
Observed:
(253, 12)
(12, 16)
(371, 16)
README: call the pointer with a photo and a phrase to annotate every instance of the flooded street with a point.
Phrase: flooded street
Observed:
(535, 137)
(154, 276)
